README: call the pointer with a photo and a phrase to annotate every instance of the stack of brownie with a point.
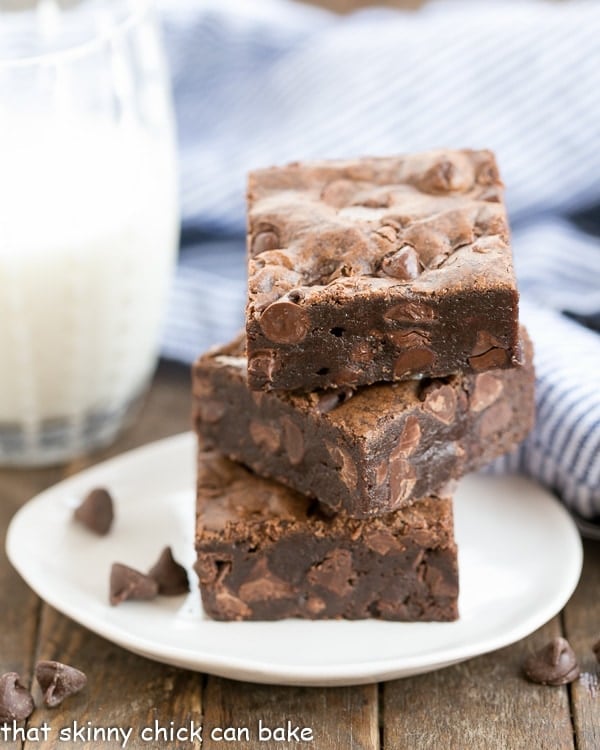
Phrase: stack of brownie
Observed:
(382, 360)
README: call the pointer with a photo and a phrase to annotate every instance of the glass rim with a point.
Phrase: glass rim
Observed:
(82, 49)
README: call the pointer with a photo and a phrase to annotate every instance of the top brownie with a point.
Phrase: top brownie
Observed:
(378, 269)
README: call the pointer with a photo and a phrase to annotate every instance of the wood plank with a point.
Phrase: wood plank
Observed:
(339, 717)
(582, 629)
(166, 412)
(124, 692)
(20, 606)
(482, 703)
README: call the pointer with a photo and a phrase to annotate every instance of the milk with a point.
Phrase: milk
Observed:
(88, 233)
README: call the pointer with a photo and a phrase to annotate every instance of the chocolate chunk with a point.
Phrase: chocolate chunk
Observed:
(171, 577)
(211, 411)
(494, 357)
(410, 311)
(58, 681)
(96, 511)
(128, 583)
(345, 465)
(293, 441)
(402, 264)
(412, 361)
(328, 400)
(409, 339)
(403, 478)
(488, 389)
(596, 650)
(16, 702)
(338, 193)
(554, 664)
(285, 323)
(409, 438)
(263, 241)
(440, 401)
(265, 435)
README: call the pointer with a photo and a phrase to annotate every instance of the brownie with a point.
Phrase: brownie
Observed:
(266, 552)
(378, 269)
(366, 452)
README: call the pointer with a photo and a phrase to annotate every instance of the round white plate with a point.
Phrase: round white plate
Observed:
(520, 559)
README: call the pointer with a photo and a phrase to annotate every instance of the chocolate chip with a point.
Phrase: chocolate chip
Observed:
(16, 702)
(334, 573)
(328, 400)
(128, 583)
(58, 681)
(554, 664)
(484, 342)
(267, 240)
(261, 365)
(402, 265)
(403, 478)
(409, 339)
(408, 439)
(265, 436)
(487, 390)
(96, 511)
(409, 311)
(413, 361)
(596, 650)
(293, 441)
(488, 360)
(262, 584)
(171, 577)
(344, 464)
(439, 399)
(338, 193)
(211, 411)
(285, 322)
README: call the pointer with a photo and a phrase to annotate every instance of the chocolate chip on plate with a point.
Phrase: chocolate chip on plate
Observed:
(96, 511)
(58, 681)
(554, 664)
(128, 583)
(16, 702)
(171, 577)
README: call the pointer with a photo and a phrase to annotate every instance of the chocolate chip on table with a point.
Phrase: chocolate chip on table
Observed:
(96, 511)
(128, 583)
(171, 577)
(58, 681)
(554, 664)
(16, 702)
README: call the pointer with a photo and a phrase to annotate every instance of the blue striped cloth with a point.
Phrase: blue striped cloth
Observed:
(264, 83)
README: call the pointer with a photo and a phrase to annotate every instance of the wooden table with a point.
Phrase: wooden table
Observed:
(481, 703)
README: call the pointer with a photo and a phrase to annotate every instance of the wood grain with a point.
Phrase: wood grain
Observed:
(124, 692)
(19, 610)
(582, 630)
(339, 717)
(484, 703)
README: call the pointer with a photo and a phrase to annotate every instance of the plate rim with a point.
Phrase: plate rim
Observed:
(348, 673)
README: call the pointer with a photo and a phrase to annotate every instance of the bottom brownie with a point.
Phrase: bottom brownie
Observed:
(266, 552)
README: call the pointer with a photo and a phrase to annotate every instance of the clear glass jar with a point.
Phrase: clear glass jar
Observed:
(88, 221)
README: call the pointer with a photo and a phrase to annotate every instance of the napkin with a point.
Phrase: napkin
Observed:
(264, 83)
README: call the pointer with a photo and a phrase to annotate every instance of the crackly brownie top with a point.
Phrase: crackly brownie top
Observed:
(231, 497)
(430, 221)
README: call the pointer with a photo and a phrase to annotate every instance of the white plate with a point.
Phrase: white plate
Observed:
(520, 559)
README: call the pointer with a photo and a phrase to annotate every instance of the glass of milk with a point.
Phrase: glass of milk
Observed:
(88, 221)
